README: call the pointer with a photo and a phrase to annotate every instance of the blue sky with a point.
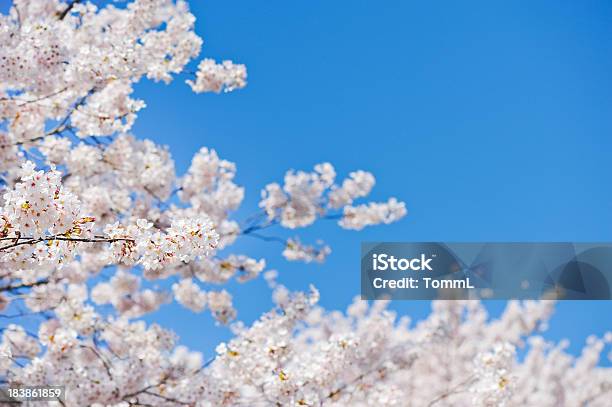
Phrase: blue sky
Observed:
(492, 120)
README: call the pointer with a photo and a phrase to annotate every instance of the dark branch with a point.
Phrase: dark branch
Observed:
(95, 239)
(18, 286)
(64, 13)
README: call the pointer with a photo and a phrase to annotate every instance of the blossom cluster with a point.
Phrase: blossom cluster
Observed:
(39, 205)
(184, 241)
(295, 250)
(41, 222)
(306, 196)
(299, 354)
(191, 296)
(213, 77)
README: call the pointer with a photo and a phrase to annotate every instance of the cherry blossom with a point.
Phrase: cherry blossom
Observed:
(297, 251)
(97, 229)
(213, 77)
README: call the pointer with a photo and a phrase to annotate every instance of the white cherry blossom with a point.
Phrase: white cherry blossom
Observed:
(97, 229)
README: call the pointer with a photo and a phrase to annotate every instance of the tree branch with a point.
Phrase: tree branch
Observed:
(31, 240)
(70, 6)
(17, 287)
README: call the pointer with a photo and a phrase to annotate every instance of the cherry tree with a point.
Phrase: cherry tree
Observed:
(88, 211)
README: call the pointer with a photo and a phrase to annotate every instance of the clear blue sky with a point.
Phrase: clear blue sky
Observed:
(492, 120)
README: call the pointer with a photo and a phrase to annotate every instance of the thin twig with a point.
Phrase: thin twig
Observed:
(51, 238)
(19, 286)
(64, 13)
(453, 390)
